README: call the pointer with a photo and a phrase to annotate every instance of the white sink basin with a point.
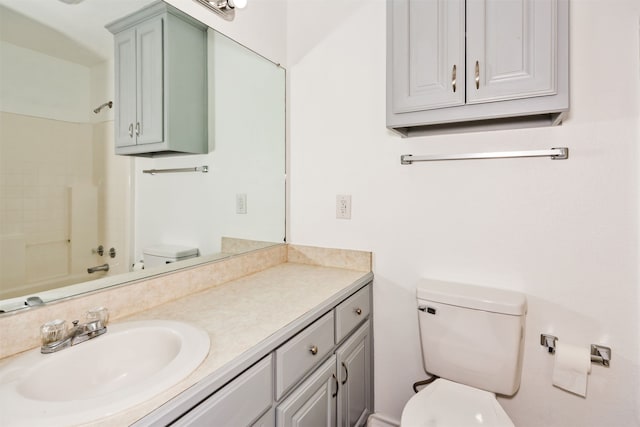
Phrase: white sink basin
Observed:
(128, 365)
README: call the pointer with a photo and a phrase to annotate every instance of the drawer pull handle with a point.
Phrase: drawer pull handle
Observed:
(130, 130)
(313, 349)
(336, 380)
(477, 75)
(358, 311)
(138, 129)
(346, 374)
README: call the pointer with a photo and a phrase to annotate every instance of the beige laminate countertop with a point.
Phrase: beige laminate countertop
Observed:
(243, 317)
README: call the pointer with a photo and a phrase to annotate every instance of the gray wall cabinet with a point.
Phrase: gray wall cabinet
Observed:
(160, 82)
(467, 65)
(312, 379)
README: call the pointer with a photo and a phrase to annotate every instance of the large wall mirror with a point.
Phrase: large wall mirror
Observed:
(63, 191)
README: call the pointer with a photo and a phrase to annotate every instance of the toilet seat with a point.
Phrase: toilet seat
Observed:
(447, 404)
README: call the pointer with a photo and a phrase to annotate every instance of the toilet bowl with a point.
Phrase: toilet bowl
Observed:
(472, 339)
(444, 403)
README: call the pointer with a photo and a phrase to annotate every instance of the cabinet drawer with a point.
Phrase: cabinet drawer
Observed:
(351, 312)
(295, 358)
(239, 403)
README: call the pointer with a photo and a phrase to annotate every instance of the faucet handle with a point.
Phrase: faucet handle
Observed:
(98, 313)
(55, 330)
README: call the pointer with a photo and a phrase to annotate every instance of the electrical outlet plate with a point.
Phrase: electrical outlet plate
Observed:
(343, 206)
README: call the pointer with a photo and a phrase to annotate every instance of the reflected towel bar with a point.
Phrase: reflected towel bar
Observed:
(560, 153)
(203, 169)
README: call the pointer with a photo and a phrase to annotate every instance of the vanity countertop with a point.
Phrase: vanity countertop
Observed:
(244, 317)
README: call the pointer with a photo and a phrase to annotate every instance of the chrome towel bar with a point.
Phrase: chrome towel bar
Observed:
(560, 153)
(203, 169)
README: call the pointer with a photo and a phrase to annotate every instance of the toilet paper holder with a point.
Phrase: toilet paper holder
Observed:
(599, 353)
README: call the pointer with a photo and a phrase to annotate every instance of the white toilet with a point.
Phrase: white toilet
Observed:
(472, 338)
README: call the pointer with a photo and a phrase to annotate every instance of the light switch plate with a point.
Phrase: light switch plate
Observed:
(241, 203)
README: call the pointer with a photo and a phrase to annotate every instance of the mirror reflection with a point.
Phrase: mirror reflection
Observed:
(69, 205)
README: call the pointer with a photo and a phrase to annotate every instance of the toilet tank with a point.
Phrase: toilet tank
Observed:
(158, 255)
(472, 335)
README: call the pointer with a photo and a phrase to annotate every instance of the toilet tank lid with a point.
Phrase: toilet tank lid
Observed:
(472, 296)
(170, 251)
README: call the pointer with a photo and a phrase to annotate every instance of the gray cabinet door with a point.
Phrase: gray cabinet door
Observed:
(125, 88)
(355, 376)
(511, 50)
(427, 63)
(241, 403)
(149, 61)
(313, 403)
(510, 58)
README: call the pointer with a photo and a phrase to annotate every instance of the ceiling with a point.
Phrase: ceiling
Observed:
(74, 32)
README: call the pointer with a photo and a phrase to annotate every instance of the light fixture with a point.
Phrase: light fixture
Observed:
(224, 8)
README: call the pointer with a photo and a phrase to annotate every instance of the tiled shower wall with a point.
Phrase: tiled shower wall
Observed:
(46, 182)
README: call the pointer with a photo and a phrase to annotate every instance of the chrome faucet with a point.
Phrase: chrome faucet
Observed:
(103, 267)
(56, 337)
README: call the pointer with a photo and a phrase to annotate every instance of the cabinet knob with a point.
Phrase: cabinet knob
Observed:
(358, 311)
(313, 349)
(453, 78)
(130, 130)
(477, 75)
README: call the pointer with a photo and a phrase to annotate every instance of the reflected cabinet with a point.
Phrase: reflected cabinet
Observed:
(455, 65)
(160, 82)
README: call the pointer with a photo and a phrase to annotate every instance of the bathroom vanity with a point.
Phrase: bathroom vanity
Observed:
(290, 345)
(290, 332)
(316, 367)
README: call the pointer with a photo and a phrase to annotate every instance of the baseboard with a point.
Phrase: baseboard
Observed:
(377, 420)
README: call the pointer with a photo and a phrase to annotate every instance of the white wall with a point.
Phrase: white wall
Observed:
(563, 232)
(40, 85)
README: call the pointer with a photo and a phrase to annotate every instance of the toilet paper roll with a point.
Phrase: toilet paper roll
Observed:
(571, 369)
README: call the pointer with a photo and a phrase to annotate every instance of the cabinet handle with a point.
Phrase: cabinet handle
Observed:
(453, 78)
(336, 380)
(477, 75)
(138, 129)
(346, 374)
(358, 311)
(130, 130)
(313, 349)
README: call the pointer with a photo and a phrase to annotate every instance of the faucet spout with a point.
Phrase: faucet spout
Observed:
(103, 267)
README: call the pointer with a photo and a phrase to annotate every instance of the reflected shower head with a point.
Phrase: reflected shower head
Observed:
(106, 104)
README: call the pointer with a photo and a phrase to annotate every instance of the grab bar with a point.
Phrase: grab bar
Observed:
(559, 153)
